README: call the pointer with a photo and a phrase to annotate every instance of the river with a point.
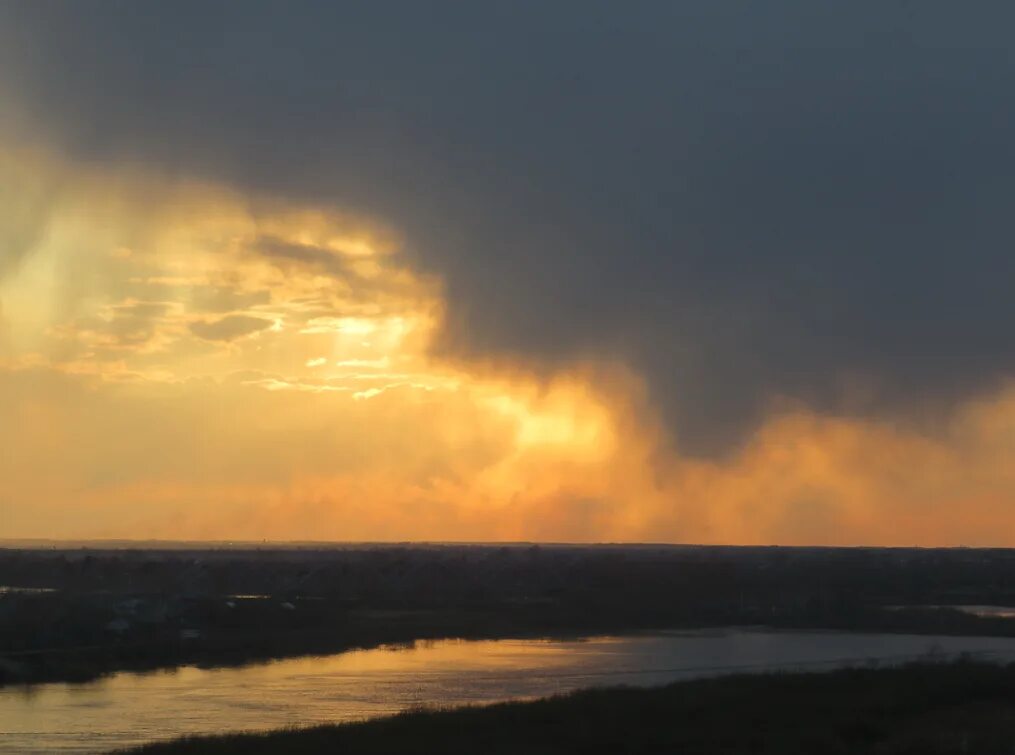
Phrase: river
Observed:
(131, 708)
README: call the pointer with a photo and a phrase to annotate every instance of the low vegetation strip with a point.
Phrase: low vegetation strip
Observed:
(962, 707)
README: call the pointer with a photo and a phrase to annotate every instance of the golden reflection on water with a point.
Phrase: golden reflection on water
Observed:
(447, 654)
(129, 708)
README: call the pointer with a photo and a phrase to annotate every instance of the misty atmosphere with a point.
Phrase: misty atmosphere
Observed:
(571, 376)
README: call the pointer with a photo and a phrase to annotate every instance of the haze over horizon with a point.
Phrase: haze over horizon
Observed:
(695, 273)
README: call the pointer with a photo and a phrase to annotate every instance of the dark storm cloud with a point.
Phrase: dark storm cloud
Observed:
(284, 253)
(304, 253)
(229, 328)
(745, 200)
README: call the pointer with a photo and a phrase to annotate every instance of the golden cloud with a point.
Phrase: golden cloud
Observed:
(179, 360)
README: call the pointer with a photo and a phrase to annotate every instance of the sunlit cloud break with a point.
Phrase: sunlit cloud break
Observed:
(188, 379)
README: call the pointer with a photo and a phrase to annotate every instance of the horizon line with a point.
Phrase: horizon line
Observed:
(242, 544)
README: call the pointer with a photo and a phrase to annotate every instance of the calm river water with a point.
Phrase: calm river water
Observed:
(130, 708)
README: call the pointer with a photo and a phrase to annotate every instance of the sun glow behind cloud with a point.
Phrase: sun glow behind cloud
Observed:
(140, 302)
(180, 360)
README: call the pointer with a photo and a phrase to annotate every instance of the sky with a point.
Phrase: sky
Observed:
(720, 272)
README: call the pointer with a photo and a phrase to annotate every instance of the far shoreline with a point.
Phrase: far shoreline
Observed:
(81, 614)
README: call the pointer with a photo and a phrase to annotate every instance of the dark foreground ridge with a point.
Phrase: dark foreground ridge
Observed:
(929, 709)
(76, 613)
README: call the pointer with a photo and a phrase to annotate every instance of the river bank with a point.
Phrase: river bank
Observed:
(924, 708)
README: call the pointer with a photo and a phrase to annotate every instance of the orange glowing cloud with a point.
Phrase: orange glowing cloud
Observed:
(178, 360)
